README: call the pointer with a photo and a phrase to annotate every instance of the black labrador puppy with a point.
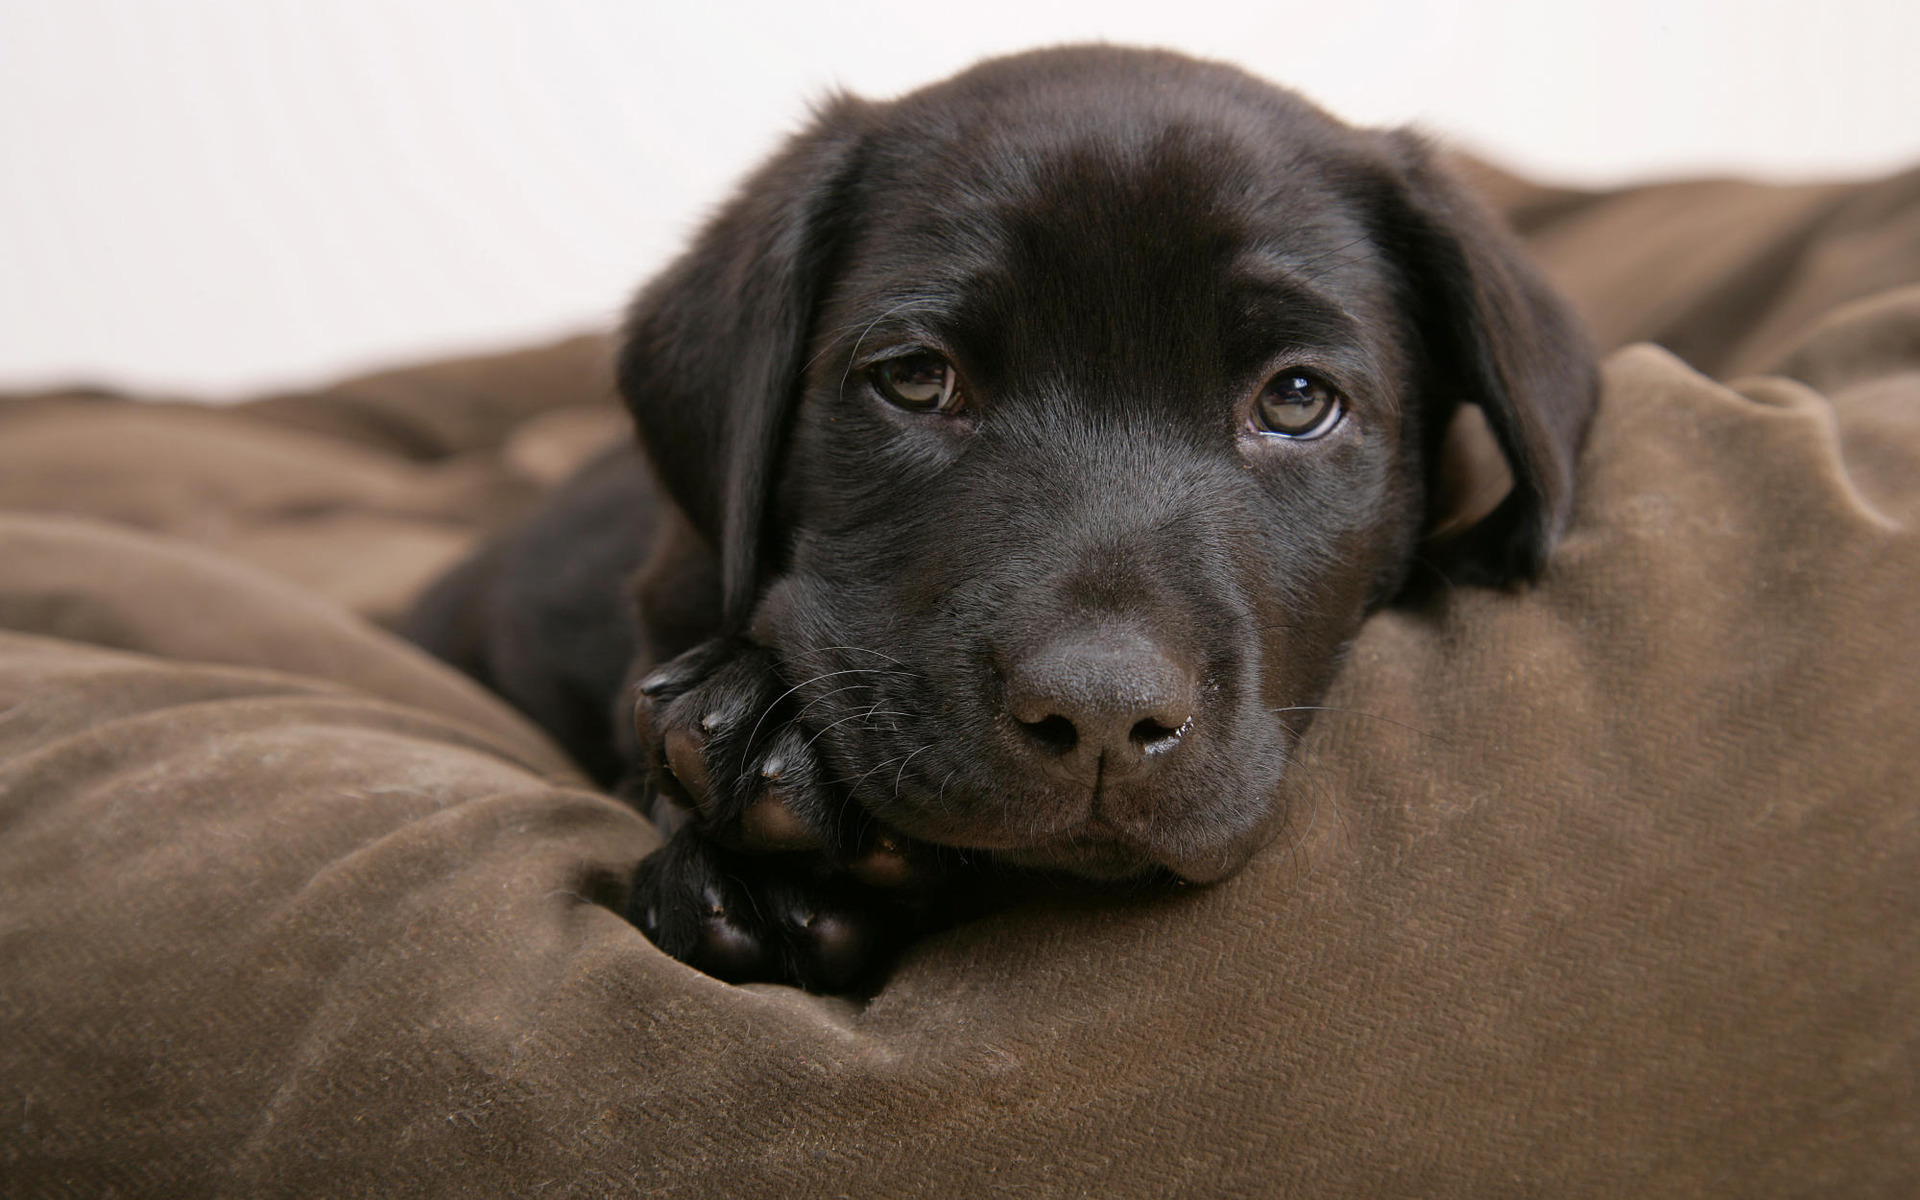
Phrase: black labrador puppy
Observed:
(1021, 456)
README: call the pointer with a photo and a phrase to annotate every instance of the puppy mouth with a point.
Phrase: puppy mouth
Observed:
(1093, 851)
(1096, 850)
(1119, 859)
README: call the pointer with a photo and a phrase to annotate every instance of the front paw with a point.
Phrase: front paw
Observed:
(770, 871)
(726, 741)
(742, 918)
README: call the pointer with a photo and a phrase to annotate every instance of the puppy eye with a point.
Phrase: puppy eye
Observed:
(1295, 404)
(922, 381)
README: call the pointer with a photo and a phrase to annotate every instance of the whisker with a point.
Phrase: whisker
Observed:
(823, 695)
(1296, 269)
(830, 338)
(851, 784)
(751, 891)
(775, 702)
(855, 352)
(1354, 712)
(898, 775)
(1318, 788)
(1453, 589)
(860, 649)
(1337, 264)
(868, 715)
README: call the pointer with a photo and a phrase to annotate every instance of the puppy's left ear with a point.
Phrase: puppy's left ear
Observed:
(715, 345)
(1509, 380)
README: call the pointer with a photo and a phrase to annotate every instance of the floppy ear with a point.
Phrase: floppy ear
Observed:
(1509, 378)
(714, 347)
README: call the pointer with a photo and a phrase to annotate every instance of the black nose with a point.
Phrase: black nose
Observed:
(1109, 703)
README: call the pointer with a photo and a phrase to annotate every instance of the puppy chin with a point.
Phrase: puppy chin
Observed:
(1105, 860)
(1100, 861)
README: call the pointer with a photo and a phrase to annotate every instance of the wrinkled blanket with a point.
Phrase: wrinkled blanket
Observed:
(1610, 886)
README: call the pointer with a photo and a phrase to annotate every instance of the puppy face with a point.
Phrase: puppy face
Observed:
(1059, 425)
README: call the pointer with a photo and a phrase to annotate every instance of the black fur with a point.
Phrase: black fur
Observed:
(1076, 624)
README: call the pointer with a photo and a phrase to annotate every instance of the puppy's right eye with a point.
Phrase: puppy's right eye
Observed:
(922, 382)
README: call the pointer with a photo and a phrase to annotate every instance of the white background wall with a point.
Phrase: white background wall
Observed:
(221, 195)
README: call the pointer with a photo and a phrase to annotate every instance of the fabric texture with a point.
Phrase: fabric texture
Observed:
(1608, 886)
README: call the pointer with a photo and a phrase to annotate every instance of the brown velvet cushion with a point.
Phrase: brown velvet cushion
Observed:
(1606, 887)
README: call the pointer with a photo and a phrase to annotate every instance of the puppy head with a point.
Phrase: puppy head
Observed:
(1060, 423)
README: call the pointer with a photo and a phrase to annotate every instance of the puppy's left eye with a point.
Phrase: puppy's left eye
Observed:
(1297, 404)
(922, 381)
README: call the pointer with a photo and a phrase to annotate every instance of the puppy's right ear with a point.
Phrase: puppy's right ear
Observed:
(715, 346)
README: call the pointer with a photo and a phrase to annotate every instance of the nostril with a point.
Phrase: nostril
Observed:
(1150, 735)
(1056, 733)
(1110, 701)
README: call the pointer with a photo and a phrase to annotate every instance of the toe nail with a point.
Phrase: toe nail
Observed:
(687, 762)
(884, 865)
(657, 681)
(839, 946)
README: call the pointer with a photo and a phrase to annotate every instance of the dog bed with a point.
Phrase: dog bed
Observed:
(1606, 886)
